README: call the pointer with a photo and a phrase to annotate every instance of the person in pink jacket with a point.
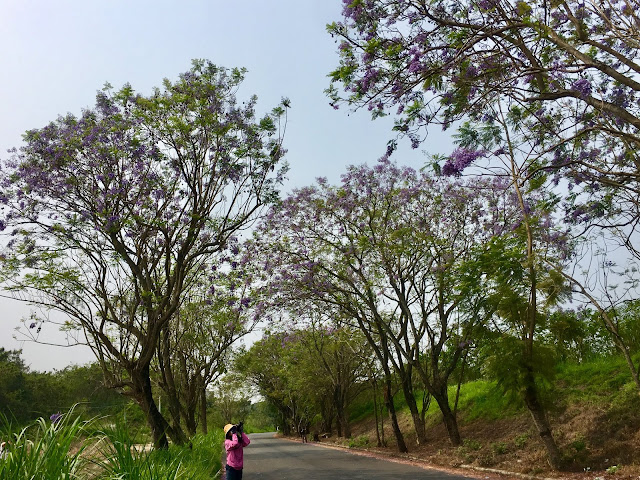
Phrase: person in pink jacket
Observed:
(235, 441)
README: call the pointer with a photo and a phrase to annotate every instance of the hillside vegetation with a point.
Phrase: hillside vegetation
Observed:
(594, 411)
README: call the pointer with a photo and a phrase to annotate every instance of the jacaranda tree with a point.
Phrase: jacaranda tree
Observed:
(111, 216)
(569, 69)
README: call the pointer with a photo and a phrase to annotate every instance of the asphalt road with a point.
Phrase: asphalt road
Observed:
(270, 458)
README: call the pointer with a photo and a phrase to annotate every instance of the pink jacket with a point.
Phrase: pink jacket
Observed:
(234, 450)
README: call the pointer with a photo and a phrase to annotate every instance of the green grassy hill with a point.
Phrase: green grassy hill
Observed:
(594, 410)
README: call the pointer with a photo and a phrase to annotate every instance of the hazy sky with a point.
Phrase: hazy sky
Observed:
(57, 54)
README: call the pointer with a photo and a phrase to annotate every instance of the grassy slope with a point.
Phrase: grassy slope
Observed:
(594, 410)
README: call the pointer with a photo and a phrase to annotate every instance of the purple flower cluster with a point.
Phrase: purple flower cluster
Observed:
(582, 86)
(460, 159)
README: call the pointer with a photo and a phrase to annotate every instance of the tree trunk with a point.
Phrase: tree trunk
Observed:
(388, 400)
(448, 417)
(164, 361)
(342, 420)
(382, 438)
(541, 422)
(375, 411)
(203, 410)
(190, 394)
(284, 417)
(418, 422)
(144, 397)
(327, 417)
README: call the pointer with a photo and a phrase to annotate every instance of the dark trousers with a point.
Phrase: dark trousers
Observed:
(233, 474)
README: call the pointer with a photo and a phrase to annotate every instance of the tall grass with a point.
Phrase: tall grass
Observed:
(593, 381)
(120, 458)
(73, 449)
(45, 450)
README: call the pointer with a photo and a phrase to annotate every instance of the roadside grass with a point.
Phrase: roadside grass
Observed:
(120, 457)
(481, 399)
(478, 399)
(44, 449)
(102, 450)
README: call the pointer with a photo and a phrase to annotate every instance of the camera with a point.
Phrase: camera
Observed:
(237, 428)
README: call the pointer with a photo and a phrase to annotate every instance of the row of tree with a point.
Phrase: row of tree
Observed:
(424, 269)
(543, 97)
(425, 266)
(321, 374)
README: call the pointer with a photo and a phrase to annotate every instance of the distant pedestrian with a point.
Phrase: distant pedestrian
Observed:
(235, 441)
(303, 434)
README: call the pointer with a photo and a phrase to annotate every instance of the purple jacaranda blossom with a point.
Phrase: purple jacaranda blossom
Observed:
(33, 325)
(582, 86)
(500, 151)
(486, 4)
(460, 159)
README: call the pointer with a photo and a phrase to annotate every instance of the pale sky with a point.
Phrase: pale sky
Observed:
(57, 54)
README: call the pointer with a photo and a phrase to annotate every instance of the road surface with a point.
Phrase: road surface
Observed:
(270, 458)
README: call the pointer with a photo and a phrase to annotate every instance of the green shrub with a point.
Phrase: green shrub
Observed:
(499, 448)
(521, 440)
(359, 442)
(612, 469)
(579, 444)
(470, 444)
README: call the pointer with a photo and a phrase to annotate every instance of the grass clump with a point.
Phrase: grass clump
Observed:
(360, 441)
(120, 457)
(69, 448)
(520, 441)
(481, 399)
(46, 449)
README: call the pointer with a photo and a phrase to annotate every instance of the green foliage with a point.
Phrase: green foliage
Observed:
(577, 336)
(121, 457)
(229, 402)
(46, 450)
(262, 417)
(26, 396)
(304, 373)
(499, 448)
(521, 440)
(13, 391)
(511, 368)
(360, 441)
